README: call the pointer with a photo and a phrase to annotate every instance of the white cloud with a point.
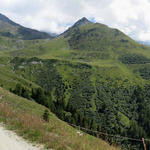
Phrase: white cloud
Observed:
(145, 36)
(124, 10)
(130, 16)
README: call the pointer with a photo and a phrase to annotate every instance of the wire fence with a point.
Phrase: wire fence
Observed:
(109, 135)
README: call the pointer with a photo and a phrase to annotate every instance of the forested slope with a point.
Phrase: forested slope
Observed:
(25, 117)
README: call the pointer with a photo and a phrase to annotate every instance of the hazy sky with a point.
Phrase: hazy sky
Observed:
(130, 16)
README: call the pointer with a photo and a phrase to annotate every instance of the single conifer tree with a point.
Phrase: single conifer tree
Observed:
(46, 115)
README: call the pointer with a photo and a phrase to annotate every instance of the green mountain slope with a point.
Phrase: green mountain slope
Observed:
(100, 72)
(25, 117)
(99, 37)
(105, 94)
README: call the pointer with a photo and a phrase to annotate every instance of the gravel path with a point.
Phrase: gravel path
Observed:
(10, 141)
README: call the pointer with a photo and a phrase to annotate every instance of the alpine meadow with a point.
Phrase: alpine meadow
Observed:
(90, 76)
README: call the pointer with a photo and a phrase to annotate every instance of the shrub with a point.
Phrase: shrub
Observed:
(46, 115)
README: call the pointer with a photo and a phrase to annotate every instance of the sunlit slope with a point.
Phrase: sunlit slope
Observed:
(91, 43)
(8, 78)
(99, 71)
(56, 134)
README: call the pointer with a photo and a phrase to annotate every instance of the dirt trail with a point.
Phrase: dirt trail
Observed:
(10, 141)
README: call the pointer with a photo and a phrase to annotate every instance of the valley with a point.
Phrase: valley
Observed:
(91, 75)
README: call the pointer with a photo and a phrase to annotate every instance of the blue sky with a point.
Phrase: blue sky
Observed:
(130, 16)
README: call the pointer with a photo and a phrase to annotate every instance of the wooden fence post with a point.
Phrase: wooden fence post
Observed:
(144, 144)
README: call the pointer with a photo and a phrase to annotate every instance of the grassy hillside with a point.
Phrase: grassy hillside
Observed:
(107, 94)
(8, 78)
(98, 71)
(100, 37)
(25, 117)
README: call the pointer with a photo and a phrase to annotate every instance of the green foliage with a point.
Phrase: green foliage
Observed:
(24, 117)
(21, 91)
(145, 72)
(134, 59)
(46, 115)
(76, 87)
(124, 120)
(95, 77)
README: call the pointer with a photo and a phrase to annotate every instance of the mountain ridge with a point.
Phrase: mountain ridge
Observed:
(7, 20)
(9, 28)
(79, 23)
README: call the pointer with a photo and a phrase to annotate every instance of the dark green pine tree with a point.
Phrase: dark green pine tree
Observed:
(25, 93)
(46, 115)
(18, 89)
(40, 96)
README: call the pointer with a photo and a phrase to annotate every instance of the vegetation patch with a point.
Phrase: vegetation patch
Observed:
(145, 72)
(134, 59)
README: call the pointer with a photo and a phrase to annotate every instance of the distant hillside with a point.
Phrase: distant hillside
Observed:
(11, 29)
(85, 35)
(145, 42)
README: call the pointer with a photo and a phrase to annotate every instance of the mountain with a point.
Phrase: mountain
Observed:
(11, 29)
(7, 20)
(52, 34)
(144, 42)
(85, 35)
(80, 23)
(94, 76)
